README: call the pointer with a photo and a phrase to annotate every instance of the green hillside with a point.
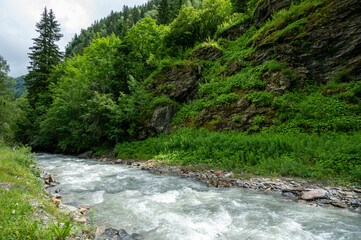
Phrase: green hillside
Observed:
(249, 86)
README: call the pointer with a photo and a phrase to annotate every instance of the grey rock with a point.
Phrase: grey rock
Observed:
(314, 194)
(162, 117)
(339, 204)
(87, 154)
(137, 236)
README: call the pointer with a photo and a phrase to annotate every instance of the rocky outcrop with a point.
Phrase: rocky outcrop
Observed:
(238, 115)
(161, 119)
(235, 31)
(179, 83)
(208, 53)
(266, 8)
(328, 45)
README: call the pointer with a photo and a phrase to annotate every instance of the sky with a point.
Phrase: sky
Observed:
(19, 17)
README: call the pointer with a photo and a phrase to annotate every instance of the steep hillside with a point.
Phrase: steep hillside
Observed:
(288, 66)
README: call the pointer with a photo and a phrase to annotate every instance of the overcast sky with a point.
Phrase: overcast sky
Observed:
(18, 19)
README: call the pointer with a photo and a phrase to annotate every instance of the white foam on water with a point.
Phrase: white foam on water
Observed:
(98, 197)
(167, 197)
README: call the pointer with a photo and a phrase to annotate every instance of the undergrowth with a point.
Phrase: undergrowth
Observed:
(329, 157)
(25, 210)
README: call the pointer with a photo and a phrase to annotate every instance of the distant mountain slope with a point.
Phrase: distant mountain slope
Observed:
(19, 87)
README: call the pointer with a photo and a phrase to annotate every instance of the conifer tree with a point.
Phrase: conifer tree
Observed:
(44, 55)
(163, 12)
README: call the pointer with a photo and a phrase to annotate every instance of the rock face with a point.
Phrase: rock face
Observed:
(236, 31)
(266, 8)
(180, 83)
(327, 46)
(161, 119)
(314, 194)
(208, 53)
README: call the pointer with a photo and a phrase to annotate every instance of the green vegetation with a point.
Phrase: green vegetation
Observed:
(331, 157)
(233, 67)
(7, 106)
(25, 210)
(19, 87)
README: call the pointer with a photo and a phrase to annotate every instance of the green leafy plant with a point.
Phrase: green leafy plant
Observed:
(62, 232)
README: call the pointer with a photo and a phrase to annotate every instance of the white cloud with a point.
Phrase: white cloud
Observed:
(18, 19)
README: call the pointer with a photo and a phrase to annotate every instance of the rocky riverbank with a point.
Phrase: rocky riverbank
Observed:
(50, 184)
(302, 191)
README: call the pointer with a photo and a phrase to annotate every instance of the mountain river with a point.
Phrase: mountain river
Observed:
(171, 207)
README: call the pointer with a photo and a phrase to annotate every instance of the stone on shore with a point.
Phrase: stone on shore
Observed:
(339, 204)
(55, 201)
(87, 154)
(314, 194)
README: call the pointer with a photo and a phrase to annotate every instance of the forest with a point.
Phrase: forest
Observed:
(257, 87)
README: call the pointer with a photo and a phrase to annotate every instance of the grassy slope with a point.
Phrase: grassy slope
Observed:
(25, 210)
(331, 157)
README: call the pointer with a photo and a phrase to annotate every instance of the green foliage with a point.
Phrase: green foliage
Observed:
(19, 87)
(239, 5)
(184, 31)
(213, 13)
(7, 107)
(144, 38)
(23, 201)
(163, 12)
(62, 232)
(90, 103)
(263, 97)
(328, 157)
(316, 113)
(286, 20)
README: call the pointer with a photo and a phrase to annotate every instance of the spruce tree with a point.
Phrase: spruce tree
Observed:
(163, 12)
(44, 55)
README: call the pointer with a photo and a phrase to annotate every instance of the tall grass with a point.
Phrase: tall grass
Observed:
(330, 157)
(24, 206)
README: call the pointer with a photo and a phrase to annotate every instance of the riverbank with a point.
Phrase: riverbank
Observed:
(334, 158)
(25, 209)
(299, 190)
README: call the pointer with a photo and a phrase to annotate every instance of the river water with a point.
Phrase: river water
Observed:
(169, 207)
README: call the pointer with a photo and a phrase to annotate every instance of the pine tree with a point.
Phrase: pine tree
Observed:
(163, 12)
(44, 55)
